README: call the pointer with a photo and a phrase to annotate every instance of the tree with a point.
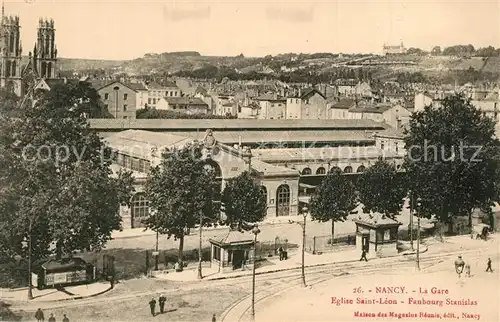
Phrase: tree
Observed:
(436, 51)
(57, 187)
(243, 202)
(452, 164)
(181, 191)
(333, 199)
(382, 189)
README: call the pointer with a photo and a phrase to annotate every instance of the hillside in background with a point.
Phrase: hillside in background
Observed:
(385, 67)
(86, 64)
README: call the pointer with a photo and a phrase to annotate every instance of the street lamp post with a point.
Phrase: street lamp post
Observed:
(412, 209)
(419, 204)
(255, 232)
(304, 213)
(157, 253)
(30, 286)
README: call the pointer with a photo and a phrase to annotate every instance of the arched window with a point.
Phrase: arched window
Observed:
(361, 168)
(13, 68)
(43, 69)
(12, 41)
(283, 200)
(49, 70)
(306, 171)
(139, 209)
(348, 169)
(335, 169)
(321, 170)
(214, 166)
(263, 192)
(7, 68)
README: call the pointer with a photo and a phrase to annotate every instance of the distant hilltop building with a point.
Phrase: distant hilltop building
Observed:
(41, 63)
(394, 50)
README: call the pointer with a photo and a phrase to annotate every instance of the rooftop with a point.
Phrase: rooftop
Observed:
(344, 103)
(375, 219)
(235, 124)
(270, 170)
(185, 100)
(233, 237)
(140, 143)
(392, 133)
(335, 153)
(378, 109)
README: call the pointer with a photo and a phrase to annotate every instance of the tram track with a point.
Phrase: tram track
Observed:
(289, 278)
(238, 310)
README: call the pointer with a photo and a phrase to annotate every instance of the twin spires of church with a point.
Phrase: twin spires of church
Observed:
(42, 61)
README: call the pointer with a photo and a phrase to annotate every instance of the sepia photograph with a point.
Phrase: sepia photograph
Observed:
(247, 160)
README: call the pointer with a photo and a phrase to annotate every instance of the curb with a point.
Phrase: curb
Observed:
(323, 264)
(81, 297)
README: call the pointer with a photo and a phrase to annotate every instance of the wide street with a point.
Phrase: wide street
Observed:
(482, 287)
(228, 299)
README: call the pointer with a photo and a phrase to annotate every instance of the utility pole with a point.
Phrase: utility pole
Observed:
(200, 275)
(255, 232)
(304, 213)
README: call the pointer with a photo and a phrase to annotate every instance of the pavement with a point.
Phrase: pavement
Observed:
(349, 254)
(52, 295)
(280, 303)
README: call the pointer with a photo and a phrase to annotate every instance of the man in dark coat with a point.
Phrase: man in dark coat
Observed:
(39, 315)
(152, 306)
(52, 318)
(65, 318)
(162, 301)
(488, 269)
(363, 256)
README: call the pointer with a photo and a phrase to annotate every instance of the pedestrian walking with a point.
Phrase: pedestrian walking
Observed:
(488, 269)
(162, 301)
(213, 318)
(152, 306)
(467, 270)
(65, 318)
(280, 252)
(39, 315)
(459, 266)
(52, 318)
(363, 256)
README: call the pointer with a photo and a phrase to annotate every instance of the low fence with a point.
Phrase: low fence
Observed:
(266, 249)
(321, 244)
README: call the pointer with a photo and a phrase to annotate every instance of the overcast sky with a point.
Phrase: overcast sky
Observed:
(125, 29)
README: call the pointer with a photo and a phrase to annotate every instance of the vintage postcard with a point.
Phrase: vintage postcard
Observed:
(250, 160)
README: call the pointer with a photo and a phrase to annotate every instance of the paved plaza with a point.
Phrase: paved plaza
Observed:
(315, 303)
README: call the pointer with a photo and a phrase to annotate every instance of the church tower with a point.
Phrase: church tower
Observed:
(45, 51)
(10, 53)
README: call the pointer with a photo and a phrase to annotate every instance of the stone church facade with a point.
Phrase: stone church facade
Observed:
(14, 75)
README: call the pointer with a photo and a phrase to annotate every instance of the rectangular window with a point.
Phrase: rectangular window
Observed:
(106, 96)
(124, 107)
(125, 96)
(382, 145)
(396, 145)
(106, 106)
(147, 166)
(216, 253)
